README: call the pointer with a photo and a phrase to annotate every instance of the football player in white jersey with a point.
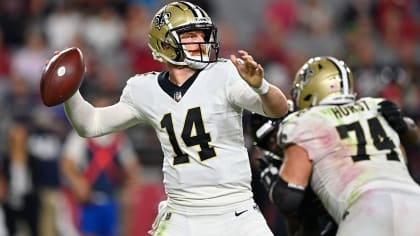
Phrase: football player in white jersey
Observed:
(348, 152)
(196, 110)
(311, 218)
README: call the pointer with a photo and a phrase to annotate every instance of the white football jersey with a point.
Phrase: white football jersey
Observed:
(199, 125)
(352, 148)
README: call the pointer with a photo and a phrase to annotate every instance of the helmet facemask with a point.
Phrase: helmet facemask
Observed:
(209, 48)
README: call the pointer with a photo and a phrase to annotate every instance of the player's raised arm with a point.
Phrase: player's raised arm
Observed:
(273, 100)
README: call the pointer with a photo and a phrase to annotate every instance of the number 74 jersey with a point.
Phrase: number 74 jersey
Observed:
(351, 147)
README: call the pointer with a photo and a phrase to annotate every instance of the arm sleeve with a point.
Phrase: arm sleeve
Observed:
(90, 121)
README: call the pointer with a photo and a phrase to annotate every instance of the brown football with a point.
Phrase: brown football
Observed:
(62, 76)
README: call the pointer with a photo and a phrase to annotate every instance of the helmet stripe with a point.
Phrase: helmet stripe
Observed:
(345, 84)
(196, 10)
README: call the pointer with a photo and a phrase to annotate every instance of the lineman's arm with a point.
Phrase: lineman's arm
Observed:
(287, 188)
(405, 126)
(411, 135)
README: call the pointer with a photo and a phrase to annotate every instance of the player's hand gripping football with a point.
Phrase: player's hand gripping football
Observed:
(62, 76)
(248, 68)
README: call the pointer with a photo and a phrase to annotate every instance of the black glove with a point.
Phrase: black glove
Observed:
(392, 114)
(269, 171)
(330, 229)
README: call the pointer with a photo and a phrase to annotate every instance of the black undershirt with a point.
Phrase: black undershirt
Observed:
(174, 91)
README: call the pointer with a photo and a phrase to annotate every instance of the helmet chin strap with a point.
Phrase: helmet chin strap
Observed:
(338, 99)
(195, 62)
(314, 101)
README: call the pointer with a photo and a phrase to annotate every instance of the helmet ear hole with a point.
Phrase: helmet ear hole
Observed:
(179, 52)
(307, 97)
(165, 46)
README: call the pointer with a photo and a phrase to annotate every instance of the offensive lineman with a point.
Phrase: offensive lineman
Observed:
(349, 153)
(196, 109)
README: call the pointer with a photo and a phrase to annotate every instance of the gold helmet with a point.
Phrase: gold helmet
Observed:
(173, 19)
(323, 80)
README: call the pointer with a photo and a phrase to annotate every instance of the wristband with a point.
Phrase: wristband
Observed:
(263, 89)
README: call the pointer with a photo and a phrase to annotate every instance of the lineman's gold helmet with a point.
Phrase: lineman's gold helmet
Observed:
(173, 19)
(323, 80)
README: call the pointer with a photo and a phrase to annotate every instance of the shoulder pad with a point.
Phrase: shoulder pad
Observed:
(151, 73)
(146, 75)
(295, 115)
(282, 138)
(223, 60)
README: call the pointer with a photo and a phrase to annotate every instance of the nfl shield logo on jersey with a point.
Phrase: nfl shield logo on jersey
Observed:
(177, 96)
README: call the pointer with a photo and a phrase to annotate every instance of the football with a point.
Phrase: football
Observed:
(62, 76)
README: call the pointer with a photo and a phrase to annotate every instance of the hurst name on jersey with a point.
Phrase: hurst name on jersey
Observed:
(352, 141)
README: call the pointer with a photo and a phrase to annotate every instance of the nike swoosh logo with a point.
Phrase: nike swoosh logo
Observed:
(240, 213)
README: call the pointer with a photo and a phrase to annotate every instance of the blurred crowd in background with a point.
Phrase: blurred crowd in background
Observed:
(378, 39)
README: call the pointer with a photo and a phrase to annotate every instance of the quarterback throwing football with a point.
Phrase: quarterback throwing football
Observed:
(196, 110)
